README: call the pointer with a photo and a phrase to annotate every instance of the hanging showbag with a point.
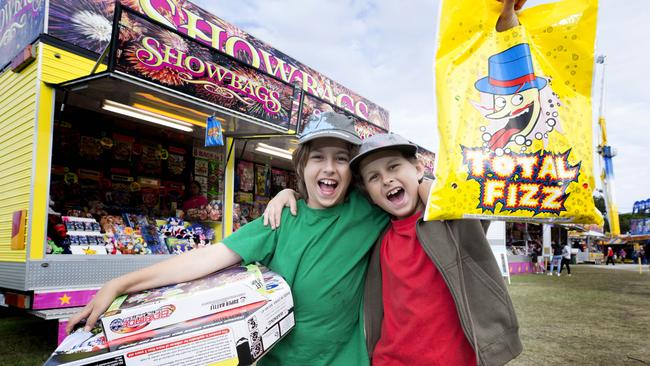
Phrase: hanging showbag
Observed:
(514, 113)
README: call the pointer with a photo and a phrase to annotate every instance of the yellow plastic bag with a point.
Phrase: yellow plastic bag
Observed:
(514, 114)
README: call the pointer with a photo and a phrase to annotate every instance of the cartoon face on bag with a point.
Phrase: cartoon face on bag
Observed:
(517, 105)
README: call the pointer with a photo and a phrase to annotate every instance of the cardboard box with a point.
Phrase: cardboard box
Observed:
(136, 314)
(236, 336)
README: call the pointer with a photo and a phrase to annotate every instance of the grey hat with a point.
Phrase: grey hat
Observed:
(330, 124)
(383, 141)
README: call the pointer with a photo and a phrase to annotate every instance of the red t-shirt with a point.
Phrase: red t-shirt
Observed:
(421, 324)
(195, 202)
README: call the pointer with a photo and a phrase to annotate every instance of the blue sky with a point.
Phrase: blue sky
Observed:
(384, 50)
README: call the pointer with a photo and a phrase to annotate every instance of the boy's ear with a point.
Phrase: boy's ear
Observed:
(419, 166)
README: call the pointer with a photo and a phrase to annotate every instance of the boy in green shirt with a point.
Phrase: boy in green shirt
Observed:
(321, 254)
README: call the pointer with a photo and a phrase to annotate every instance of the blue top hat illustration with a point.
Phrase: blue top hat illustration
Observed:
(510, 71)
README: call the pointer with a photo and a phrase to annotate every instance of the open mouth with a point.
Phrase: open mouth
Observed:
(519, 119)
(327, 186)
(395, 195)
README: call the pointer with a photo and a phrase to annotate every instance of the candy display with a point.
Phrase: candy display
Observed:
(149, 161)
(91, 148)
(176, 160)
(83, 236)
(246, 177)
(130, 185)
(201, 167)
(279, 180)
(212, 212)
(255, 185)
(122, 148)
(262, 180)
(131, 233)
(215, 170)
(232, 317)
(209, 170)
(514, 114)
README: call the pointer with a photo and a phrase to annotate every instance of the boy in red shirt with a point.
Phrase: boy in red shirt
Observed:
(434, 293)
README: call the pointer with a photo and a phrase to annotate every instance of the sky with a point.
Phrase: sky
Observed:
(384, 51)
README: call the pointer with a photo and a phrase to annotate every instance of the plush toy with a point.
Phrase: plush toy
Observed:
(52, 248)
(96, 209)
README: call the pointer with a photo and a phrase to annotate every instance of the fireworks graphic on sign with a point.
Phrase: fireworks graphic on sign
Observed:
(164, 75)
(129, 29)
(92, 25)
(133, 31)
(84, 23)
(174, 17)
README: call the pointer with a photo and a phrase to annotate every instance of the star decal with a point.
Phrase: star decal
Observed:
(65, 299)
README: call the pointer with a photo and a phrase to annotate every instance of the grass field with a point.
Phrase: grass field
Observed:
(598, 316)
(25, 340)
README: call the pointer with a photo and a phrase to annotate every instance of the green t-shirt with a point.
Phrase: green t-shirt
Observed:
(323, 255)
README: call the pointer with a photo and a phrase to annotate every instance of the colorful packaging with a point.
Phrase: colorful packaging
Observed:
(226, 336)
(132, 315)
(514, 114)
(262, 180)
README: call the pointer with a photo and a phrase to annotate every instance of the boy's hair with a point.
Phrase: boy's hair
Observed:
(299, 159)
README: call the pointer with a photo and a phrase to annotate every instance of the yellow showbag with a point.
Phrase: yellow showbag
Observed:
(514, 113)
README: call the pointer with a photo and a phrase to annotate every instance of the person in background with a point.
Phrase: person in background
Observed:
(622, 254)
(195, 198)
(566, 259)
(536, 257)
(556, 260)
(610, 256)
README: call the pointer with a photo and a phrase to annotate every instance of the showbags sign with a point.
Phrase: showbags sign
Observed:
(87, 24)
(515, 114)
(154, 53)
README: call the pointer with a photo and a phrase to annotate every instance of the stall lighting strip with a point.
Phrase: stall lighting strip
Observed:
(157, 100)
(168, 114)
(285, 155)
(276, 149)
(127, 110)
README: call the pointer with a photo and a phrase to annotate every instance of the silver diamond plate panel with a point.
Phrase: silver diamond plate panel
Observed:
(70, 272)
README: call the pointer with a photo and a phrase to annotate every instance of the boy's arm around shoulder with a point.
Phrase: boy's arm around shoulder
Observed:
(273, 212)
(188, 266)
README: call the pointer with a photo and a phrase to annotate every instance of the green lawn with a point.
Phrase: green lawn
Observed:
(25, 340)
(597, 316)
